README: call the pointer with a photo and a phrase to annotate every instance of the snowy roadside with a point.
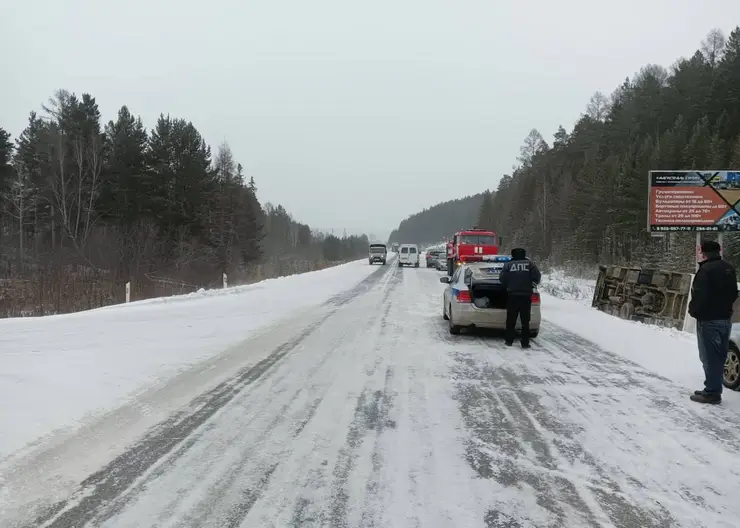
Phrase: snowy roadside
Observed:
(61, 370)
(667, 352)
(559, 284)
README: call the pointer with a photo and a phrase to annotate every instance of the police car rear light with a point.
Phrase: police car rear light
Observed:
(463, 296)
(535, 298)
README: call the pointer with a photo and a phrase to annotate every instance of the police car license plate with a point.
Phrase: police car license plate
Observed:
(495, 271)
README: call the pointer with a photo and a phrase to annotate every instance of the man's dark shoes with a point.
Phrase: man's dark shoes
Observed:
(703, 397)
(509, 343)
(526, 345)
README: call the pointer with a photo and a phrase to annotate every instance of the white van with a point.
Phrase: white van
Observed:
(408, 255)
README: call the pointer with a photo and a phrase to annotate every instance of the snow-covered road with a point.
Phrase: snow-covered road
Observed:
(365, 412)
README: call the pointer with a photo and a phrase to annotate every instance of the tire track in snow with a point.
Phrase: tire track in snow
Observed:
(222, 492)
(505, 442)
(514, 396)
(370, 514)
(658, 402)
(175, 436)
(229, 485)
(362, 444)
(366, 285)
(371, 416)
(566, 437)
(373, 409)
(302, 462)
(620, 372)
(432, 486)
(370, 412)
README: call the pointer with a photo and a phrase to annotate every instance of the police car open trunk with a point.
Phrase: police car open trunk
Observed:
(485, 287)
(489, 296)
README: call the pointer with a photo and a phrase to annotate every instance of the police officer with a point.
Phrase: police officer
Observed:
(518, 277)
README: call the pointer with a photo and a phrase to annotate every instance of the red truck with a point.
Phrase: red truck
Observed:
(470, 245)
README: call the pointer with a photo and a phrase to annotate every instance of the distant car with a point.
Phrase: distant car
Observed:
(433, 257)
(408, 255)
(732, 364)
(377, 253)
(475, 298)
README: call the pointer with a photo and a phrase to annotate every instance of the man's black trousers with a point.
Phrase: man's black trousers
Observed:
(518, 306)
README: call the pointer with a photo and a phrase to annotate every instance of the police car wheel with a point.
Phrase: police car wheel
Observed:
(454, 329)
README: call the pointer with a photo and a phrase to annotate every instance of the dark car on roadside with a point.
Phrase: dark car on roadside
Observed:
(732, 365)
(433, 257)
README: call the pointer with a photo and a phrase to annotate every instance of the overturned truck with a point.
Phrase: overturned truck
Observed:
(640, 294)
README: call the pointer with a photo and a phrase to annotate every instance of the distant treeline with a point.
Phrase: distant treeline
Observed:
(438, 222)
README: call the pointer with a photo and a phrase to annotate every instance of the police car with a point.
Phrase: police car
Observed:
(475, 298)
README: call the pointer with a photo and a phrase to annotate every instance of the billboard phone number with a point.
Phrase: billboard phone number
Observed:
(683, 228)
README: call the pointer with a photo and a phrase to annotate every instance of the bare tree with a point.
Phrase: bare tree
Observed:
(17, 201)
(543, 202)
(598, 107)
(652, 73)
(713, 46)
(88, 157)
(533, 145)
(77, 161)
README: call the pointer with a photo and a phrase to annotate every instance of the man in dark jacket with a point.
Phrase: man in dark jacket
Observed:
(712, 295)
(518, 277)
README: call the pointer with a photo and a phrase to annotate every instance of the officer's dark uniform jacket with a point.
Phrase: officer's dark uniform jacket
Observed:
(518, 275)
(714, 290)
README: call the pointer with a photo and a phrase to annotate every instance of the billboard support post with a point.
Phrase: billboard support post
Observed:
(698, 249)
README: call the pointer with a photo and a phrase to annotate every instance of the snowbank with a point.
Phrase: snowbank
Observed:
(559, 284)
(56, 370)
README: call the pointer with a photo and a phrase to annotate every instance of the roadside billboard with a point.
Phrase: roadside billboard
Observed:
(693, 201)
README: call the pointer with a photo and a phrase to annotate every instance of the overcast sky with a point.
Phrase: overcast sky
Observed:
(351, 114)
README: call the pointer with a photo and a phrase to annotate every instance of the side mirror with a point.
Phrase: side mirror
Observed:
(444, 280)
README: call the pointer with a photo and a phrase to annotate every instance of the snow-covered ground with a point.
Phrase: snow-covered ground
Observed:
(668, 352)
(557, 283)
(59, 370)
(366, 411)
